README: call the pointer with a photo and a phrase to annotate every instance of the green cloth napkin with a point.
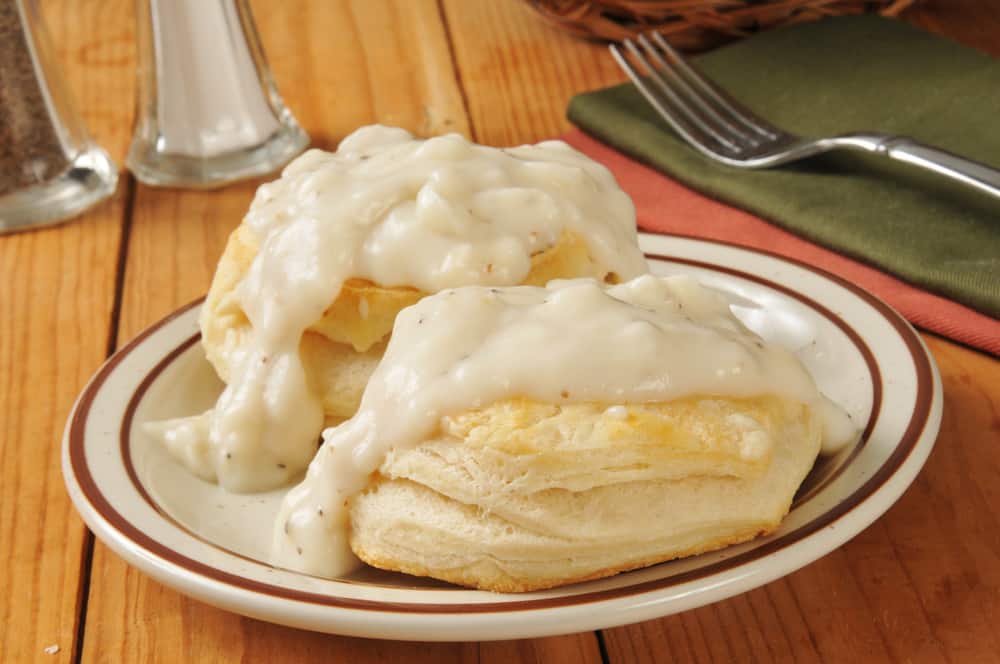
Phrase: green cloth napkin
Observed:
(834, 76)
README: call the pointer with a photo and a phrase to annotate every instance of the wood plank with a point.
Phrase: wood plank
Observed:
(344, 64)
(339, 65)
(55, 315)
(96, 45)
(518, 72)
(55, 320)
(945, 531)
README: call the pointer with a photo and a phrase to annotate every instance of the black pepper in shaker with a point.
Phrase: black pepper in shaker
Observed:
(30, 150)
(49, 168)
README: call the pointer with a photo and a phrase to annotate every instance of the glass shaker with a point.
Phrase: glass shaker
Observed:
(208, 110)
(50, 169)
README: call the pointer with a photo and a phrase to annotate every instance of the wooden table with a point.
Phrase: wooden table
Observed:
(921, 584)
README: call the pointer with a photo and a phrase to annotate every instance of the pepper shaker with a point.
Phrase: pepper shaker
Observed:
(208, 111)
(50, 169)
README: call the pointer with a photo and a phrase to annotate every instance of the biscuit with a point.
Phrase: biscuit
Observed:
(522, 496)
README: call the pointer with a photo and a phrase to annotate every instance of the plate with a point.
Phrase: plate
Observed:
(211, 545)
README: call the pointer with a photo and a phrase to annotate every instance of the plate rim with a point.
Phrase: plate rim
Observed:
(923, 422)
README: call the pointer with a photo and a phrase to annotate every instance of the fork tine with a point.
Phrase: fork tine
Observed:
(690, 132)
(683, 106)
(734, 109)
(695, 100)
(670, 106)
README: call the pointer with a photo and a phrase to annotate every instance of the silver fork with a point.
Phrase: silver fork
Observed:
(724, 130)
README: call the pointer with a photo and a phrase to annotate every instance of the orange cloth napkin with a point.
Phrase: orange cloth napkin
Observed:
(666, 206)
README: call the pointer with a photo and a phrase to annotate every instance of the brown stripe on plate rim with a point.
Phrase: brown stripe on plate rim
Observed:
(906, 444)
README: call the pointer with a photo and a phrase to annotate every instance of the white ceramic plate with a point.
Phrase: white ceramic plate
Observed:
(210, 545)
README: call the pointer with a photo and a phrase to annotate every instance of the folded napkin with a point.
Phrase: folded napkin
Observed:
(664, 205)
(824, 78)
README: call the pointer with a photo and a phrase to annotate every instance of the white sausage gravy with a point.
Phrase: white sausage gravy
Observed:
(648, 340)
(399, 211)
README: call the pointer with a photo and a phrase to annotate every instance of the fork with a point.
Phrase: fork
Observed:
(724, 130)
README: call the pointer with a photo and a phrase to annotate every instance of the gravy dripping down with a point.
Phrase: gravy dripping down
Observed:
(399, 211)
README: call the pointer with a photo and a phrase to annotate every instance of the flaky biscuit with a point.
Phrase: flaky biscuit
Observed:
(524, 496)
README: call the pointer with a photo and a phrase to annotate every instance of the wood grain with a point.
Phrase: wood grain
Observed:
(56, 303)
(518, 72)
(96, 45)
(55, 314)
(341, 65)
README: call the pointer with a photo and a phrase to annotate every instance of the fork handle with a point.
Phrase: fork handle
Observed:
(966, 171)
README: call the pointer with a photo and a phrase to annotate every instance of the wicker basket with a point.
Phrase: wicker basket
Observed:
(697, 24)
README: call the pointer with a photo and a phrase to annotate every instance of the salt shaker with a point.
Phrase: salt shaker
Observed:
(208, 111)
(50, 169)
